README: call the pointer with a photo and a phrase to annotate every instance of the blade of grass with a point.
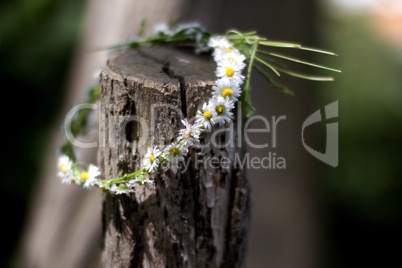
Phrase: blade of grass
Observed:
(318, 50)
(280, 44)
(247, 107)
(305, 76)
(294, 45)
(239, 33)
(299, 61)
(268, 65)
(278, 86)
(143, 27)
(273, 60)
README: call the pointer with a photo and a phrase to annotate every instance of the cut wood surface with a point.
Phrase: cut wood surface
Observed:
(192, 217)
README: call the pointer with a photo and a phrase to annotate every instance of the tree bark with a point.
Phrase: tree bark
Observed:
(194, 217)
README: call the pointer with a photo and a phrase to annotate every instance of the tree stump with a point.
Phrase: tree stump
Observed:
(195, 217)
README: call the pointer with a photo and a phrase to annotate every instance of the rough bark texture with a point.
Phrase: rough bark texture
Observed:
(195, 218)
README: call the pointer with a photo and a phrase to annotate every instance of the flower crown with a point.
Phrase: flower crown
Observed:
(230, 52)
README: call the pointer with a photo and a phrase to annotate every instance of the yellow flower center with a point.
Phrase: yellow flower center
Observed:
(64, 169)
(232, 59)
(207, 115)
(174, 151)
(151, 158)
(220, 109)
(229, 71)
(104, 189)
(228, 50)
(227, 92)
(85, 176)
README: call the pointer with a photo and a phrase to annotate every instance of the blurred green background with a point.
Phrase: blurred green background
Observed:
(361, 198)
(364, 205)
(37, 39)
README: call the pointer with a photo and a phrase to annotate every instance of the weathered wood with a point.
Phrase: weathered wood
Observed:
(195, 218)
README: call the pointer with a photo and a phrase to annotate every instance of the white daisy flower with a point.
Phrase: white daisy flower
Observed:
(90, 178)
(231, 54)
(142, 180)
(65, 171)
(231, 69)
(204, 117)
(121, 189)
(132, 183)
(190, 135)
(175, 152)
(219, 42)
(127, 191)
(112, 189)
(221, 109)
(151, 160)
(189, 26)
(126, 188)
(226, 88)
(162, 27)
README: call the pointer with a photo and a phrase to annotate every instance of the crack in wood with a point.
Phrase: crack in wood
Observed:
(167, 70)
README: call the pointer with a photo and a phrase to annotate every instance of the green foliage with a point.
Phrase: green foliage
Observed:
(188, 36)
(248, 44)
(37, 39)
(367, 182)
(263, 60)
(79, 122)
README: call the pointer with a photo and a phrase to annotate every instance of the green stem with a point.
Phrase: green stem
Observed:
(268, 65)
(125, 178)
(250, 65)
